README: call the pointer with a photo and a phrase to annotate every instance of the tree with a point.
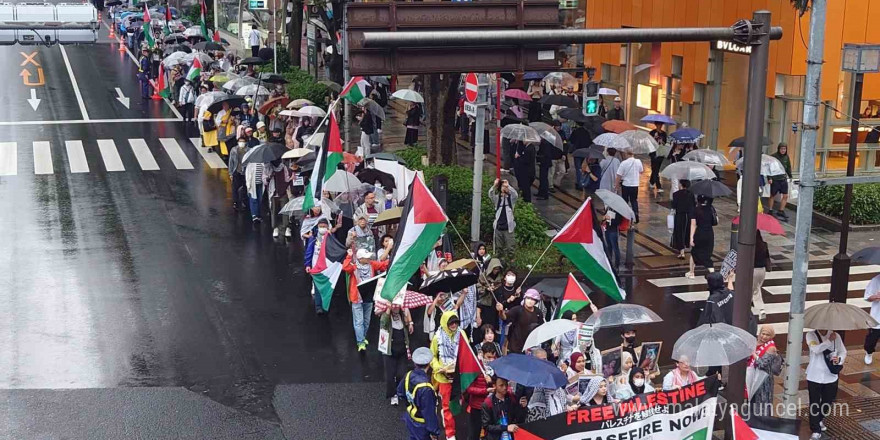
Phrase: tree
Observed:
(294, 31)
(330, 13)
(441, 104)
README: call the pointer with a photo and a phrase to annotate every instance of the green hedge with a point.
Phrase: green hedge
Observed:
(301, 84)
(865, 207)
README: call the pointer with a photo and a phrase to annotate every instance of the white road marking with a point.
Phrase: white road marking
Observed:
(43, 158)
(178, 157)
(212, 158)
(817, 288)
(79, 99)
(76, 156)
(775, 275)
(90, 121)
(144, 156)
(135, 61)
(112, 161)
(8, 158)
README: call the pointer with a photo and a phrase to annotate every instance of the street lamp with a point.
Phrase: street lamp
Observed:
(858, 59)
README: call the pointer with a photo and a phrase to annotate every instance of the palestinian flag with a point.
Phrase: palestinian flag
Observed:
(327, 268)
(167, 28)
(421, 224)
(216, 37)
(163, 85)
(702, 434)
(203, 19)
(355, 90)
(741, 431)
(195, 70)
(148, 29)
(468, 368)
(574, 297)
(581, 241)
(328, 159)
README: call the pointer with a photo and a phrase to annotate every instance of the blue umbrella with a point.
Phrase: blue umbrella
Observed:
(529, 371)
(663, 119)
(686, 135)
(534, 75)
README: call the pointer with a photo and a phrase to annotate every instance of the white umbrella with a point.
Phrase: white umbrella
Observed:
(838, 316)
(608, 92)
(251, 89)
(550, 330)
(312, 111)
(193, 31)
(714, 345)
(408, 95)
(611, 140)
(640, 142)
(296, 153)
(616, 203)
(292, 113)
(234, 84)
(342, 181)
(204, 58)
(295, 205)
(687, 170)
(299, 103)
(770, 166)
(708, 157)
(622, 314)
(206, 99)
(174, 59)
(520, 132)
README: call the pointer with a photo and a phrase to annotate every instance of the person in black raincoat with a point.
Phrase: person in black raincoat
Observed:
(524, 167)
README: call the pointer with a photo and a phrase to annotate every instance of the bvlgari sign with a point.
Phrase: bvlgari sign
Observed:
(729, 46)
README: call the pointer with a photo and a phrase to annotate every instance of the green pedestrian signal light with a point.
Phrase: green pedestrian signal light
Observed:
(591, 106)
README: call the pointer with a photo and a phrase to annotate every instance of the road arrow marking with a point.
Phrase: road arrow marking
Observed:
(26, 75)
(121, 98)
(34, 102)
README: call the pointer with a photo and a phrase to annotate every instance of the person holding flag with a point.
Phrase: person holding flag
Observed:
(203, 19)
(166, 29)
(478, 390)
(445, 348)
(361, 267)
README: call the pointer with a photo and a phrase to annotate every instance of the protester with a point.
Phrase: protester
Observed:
(491, 280)
(501, 413)
(362, 267)
(636, 384)
(488, 333)
(680, 376)
(397, 323)
(628, 177)
(277, 182)
(416, 389)
(545, 163)
(253, 175)
(683, 205)
(544, 402)
(621, 380)
(481, 255)
(371, 210)
(719, 305)
(313, 250)
(596, 392)
(608, 170)
(592, 173)
(762, 263)
(767, 360)
(478, 390)
(524, 168)
(702, 240)
(779, 183)
(521, 317)
(617, 111)
(186, 99)
(566, 344)
(412, 122)
(360, 237)
(368, 129)
(236, 174)
(504, 198)
(261, 134)
(444, 347)
(872, 295)
(827, 355)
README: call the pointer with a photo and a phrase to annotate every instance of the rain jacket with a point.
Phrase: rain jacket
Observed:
(489, 281)
(719, 306)
(425, 400)
(350, 267)
(436, 365)
(209, 138)
(508, 211)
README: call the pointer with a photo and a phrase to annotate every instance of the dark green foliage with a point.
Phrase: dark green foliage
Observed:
(865, 207)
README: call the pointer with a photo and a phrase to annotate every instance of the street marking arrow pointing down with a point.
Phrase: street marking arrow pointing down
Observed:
(122, 98)
(33, 101)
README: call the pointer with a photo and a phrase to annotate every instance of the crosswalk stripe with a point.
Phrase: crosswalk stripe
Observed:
(110, 154)
(8, 158)
(775, 275)
(76, 155)
(212, 159)
(701, 295)
(43, 158)
(144, 156)
(178, 157)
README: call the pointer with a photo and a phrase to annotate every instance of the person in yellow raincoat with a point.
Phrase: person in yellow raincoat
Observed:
(444, 347)
(209, 137)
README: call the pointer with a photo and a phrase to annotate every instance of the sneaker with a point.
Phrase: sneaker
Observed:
(287, 233)
(869, 357)
(660, 191)
(254, 218)
(258, 220)
(816, 436)
(366, 342)
(762, 316)
(276, 233)
(783, 215)
(394, 401)
(822, 426)
(210, 149)
(362, 347)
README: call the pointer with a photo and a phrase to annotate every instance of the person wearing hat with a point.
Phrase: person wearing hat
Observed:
(314, 242)
(362, 267)
(444, 347)
(617, 111)
(416, 390)
(186, 99)
(261, 134)
(521, 318)
(144, 72)
(276, 135)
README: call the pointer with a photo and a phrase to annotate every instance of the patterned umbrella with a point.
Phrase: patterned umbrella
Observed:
(413, 299)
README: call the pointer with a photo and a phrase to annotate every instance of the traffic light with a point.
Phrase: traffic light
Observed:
(591, 98)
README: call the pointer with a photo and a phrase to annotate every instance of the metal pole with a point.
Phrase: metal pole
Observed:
(498, 92)
(748, 212)
(240, 25)
(804, 209)
(274, 37)
(346, 76)
(477, 199)
(841, 262)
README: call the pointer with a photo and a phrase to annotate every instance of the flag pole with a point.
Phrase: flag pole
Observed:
(327, 116)
(536, 262)
(479, 361)
(482, 275)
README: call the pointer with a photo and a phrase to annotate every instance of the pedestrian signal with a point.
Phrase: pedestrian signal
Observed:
(591, 106)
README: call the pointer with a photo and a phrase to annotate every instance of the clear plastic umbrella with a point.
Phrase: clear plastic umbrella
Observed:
(193, 31)
(174, 59)
(550, 330)
(408, 95)
(250, 89)
(520, 132)
(561, 79)
(622, 314)
(615, 203)
(611, 140)
(708, 157)
(547, 133)
(342, 181)
(204, 58)
(372, 107)
(608, 92)
(640, 142)
(687, 170)
(770, 166)
(357, 193)
(299, 103)
(206, 99)
(714, 345)
(237, 83)
(312, 111)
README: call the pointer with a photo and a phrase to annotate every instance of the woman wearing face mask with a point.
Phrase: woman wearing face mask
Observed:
(521, 318)
(313, 249)
(390, 201)
(636, 384)
(622, 379)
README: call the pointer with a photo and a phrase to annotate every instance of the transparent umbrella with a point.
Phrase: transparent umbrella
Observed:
(193, 31)
(341, 181)
(611, 140)
(233, 85)
(372, 107)
(252, 89)
(615, 203)
(408, 95)
(204, 58)
(550, 330)
(206, 99)
(357, 193)
(687, 171)
(708, 157)
(174, 59)
(770, 166)
(640, 142)
(561, 79)
(312, 111)
(299, 103)
(547, 133)
(520, 132)
(714, 345)
(622, 314)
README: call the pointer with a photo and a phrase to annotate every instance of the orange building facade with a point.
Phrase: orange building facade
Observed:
(704, 84)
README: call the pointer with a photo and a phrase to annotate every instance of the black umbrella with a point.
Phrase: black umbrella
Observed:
(264, 153)
(552, 287)
(311, 157)
(208, 45)
(868, 255)
(573, 114)
(253, 61)
(741, 142)
(196, 38)
(178, 48)
(387, 156)
(331, 85)
(113, 3)
(561, 100)
(449, 281)
(588, 153)
(710, 188)
(371, 175)
(232, 100)
(174, 38)
(273, 78)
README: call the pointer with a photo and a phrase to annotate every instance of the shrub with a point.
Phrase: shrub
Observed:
(303, 85)
(865, 207)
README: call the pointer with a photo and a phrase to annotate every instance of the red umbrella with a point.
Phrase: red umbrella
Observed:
(517, 94)
(272, 103)
(411, 300)
(766, 223)
(618, 127)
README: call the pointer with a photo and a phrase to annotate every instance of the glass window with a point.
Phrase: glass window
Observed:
(572, 14)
